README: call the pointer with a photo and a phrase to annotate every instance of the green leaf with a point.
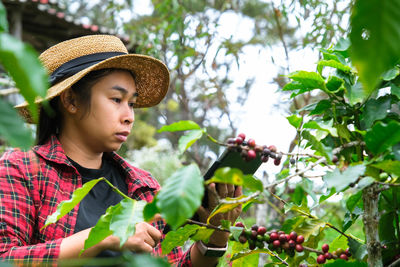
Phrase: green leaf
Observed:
(318, 146)
(249, 260)
(12, 127)
(235, 176)
(331, 192)
(382, 136)
(338, 242)
(386, 227)
(179, 126)
(294, 86)
(342, 45)
(375, 109)
(356, 94)
(375, 38)
(295, 121)
(358, 250)
(389, 166)
(181, 195)
(236, 232)
(395, 90)
(188, 139)
(128, 213)
(140, 260)
(333, 64)
(340, 263)
(321, 125)
(202, 234)
(340, 180)
(321, 107)
(19, 60)
(334, 84)
(311, 80)
(101, 230)
(353, 200)
(225, 207)
(248, 253)
(3, 19)
(67, 205)
(150, 210)
(391, 74)
(177, 238)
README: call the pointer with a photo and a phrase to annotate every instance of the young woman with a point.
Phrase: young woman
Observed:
(95, 84)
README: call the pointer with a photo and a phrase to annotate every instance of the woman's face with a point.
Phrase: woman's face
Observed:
(110, 118)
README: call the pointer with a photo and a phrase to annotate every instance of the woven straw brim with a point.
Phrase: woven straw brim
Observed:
(151, 77)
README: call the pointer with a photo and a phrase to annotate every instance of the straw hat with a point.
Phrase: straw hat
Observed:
(67, 62)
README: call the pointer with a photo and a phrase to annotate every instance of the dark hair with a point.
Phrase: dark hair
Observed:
(50, 122)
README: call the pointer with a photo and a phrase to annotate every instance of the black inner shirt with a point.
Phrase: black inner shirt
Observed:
(102, 196)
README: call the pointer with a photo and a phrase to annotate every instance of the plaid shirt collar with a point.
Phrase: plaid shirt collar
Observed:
(52, 151)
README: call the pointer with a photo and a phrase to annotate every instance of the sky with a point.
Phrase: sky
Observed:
(259, 118)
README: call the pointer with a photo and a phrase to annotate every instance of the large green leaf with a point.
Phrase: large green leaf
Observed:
(22, 62)
(389, 166)
(326, 126)
(356, 94)
(340, 180)
(102, 228)
(321, 107)
(375, 38)
(358, 250)
(248, 260)
(225, 207)
(295, 121)
(178, 237)
(179, 126)
(310, 80)
(3, 19)
(235, 176)
(181, 195)
(386, 227)
(67, 205)
(333, 64)
(340, 263)
(150, 210)
(125, 217)
(375, 109)
(318, 146)
(188, 139)
(12, 127)
(382, 136)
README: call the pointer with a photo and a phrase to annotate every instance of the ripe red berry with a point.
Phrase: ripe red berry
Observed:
(291, 243)
(251, 154)
(261, 230)
(239, 224)
(303, 265)
(253, 234)
(238, 140)
(274, 236)
(251, 142)
(300, 239)
(348, 253)
(277, 162)
(264, 158)
(282, 238)
(293, 236)
(281, 233)
(242, 135)
(272, 148)
(328, 256)
(254, 227)
(321, 259)
(344, 257)
(299, 248)
(325, 247)
(276, 243)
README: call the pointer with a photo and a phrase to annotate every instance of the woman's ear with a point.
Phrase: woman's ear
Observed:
(68, 101)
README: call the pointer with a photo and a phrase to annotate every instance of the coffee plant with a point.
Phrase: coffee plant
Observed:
(351, 134)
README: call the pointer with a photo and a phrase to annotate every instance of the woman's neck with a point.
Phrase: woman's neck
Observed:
(78, 153)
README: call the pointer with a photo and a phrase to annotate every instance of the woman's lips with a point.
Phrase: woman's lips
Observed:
(122, 136)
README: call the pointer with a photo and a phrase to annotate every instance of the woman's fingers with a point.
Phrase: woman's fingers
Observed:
(146, 237)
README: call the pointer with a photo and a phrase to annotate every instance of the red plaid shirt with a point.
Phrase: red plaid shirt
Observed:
(33, 183)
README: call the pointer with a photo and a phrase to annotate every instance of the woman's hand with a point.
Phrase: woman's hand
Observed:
(146, 237)
(215, 192)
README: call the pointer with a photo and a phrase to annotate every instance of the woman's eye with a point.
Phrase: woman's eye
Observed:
(131, 104)
(116, 100)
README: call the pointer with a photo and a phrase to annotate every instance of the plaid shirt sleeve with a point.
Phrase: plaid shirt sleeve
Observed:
(18, 212)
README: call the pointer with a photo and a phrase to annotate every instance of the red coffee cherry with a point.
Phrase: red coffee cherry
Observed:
(239, 140)
(291, 243)
(282, 238)
(239, 224)
(344, 257)
(272, 148)
(276, 243)
(274, 236)
(325, 247)
(348, 253)
(254, 227)
(300, 239)
(261, 230)
(251, 142)
(242, 239)
(293, 236)
(321, 259)
(299, 248)
(242, 135)
(328, 256)
(251, 154)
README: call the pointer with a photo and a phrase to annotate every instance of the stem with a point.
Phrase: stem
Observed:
(370, 196)
(396, 217)
(115, 189)
(313, 250)
(210, 226)
(277, 257)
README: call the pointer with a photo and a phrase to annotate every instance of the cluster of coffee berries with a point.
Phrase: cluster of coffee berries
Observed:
(249, 149)
(277, 241)
(337, 254)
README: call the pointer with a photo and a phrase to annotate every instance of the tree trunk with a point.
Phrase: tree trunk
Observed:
(371, 223)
